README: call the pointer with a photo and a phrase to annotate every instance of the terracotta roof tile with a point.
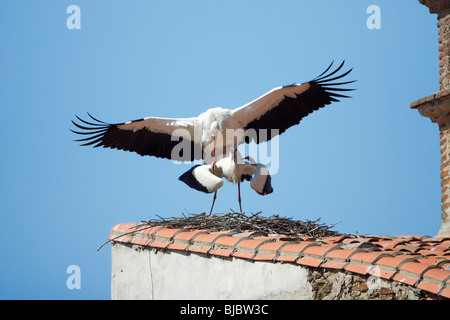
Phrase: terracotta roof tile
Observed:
(267, 257)
(382, 272)
(159, 244)
(350, 240)
(320, 250)
(419, 261)
(187, 235)
(395, 261)
(221, 252)
(410, 279)
(391, 244)
(140, 241)
(124, 227)
(167, 233)
(445, 293)
(271, 246)
(441, 238)
(333, 264)
(429, 286)
(242, 254)
(125, 239)
(177, 246)
(437, 274)
(309, 261)
(253, 243)
(281, 258)
(369, 257)
(208, 237)
(427, 252)
(342, 254)
(199, 249)
(151, 230)
(416, 267)
(336, 239)
(228, 241)
(438, 248)
(432, 260)
(357, 268)
(408, 248)
(295, 248)
(307, 239)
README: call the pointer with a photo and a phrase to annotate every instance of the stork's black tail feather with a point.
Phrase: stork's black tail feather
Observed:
(189, 178)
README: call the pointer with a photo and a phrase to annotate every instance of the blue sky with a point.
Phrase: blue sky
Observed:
(370, 162)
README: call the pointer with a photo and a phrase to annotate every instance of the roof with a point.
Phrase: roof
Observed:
(419, 261)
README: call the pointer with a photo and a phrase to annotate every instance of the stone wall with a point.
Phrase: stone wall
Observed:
(338, 285)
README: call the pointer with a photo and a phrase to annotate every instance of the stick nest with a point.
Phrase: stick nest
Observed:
(240, 222)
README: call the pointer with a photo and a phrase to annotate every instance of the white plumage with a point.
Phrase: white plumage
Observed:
(216, 133)
(204, 178)
(208, 178)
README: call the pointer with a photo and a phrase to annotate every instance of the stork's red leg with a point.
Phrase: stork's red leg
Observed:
(239, 195)
(213, 164)
(214, 200)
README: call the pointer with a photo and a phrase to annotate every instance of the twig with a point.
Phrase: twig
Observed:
(124, 234)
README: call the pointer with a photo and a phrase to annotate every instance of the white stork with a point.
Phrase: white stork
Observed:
(208, 178)
(207, 136)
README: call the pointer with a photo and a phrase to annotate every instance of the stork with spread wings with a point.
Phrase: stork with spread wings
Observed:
(205, 136)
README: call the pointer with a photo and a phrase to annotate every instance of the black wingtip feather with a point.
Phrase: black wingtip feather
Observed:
(95, 118)
(326, 70)
(325, 76)
(96, 131)
(88, 123)
(291, 110)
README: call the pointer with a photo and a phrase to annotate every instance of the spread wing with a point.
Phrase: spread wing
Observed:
(284, 107)
(149, 136)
